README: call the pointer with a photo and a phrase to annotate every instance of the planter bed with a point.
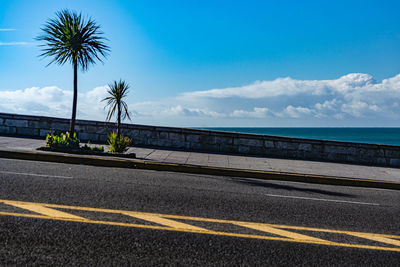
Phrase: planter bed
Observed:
(87, 152)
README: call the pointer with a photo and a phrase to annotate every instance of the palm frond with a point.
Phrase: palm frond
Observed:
(117, 91)
(125, 113)
(69, 37)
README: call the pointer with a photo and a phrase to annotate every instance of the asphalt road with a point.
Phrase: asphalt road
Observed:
(30, 240)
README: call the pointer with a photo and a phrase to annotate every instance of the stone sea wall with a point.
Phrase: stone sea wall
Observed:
(209, 141)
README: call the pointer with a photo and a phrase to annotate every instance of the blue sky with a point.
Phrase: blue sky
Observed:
(216, 63)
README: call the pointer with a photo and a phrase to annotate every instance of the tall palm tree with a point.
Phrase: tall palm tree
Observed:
(72, 38)
(116, 93)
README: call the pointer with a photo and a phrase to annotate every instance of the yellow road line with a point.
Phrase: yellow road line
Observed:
(327, 230)
(163, 221)
(203, 232)
(377, 238)
(200, 219)
(170, 216)
(43, 210)
(168, 224)
(275, 231)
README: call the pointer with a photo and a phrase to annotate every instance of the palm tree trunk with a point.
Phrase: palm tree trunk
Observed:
(119, 121)
(72, 124)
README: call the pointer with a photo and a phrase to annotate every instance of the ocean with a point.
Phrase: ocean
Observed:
(387, 136)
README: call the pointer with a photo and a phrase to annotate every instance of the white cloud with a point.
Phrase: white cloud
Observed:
(351, 96)
(359, 108)
(281, 86)
(350, 100)
(294, 112)
(90, 104)
(255, 113)
(327, 105)
(190, 112)
(53, 101)
(289, 87)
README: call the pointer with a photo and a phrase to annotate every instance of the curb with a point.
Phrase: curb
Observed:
(196, 169)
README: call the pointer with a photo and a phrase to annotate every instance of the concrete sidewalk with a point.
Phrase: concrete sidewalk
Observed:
(249, 163)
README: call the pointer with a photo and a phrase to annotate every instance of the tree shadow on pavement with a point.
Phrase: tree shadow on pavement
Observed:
(252, 182)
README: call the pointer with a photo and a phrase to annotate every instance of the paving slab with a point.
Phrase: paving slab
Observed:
(234, 161)
(158, 155)
(198, 159)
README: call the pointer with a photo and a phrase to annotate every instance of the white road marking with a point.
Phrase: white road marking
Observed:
(324, 199)
(37, 175)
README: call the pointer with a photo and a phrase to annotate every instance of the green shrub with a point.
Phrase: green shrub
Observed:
(118, 144)
(92, 148)
(64, 140)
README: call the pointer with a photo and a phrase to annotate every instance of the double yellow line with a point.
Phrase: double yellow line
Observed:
(174, 223)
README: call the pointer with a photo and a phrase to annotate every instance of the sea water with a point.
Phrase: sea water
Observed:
(387, 136)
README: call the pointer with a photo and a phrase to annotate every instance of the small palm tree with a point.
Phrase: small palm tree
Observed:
(116, 93)
(71, 38)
